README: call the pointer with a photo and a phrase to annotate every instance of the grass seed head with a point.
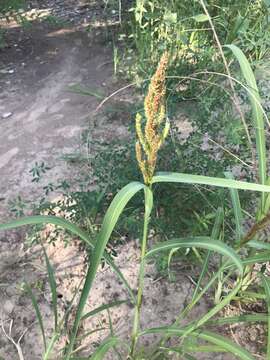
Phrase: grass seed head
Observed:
(155, 131)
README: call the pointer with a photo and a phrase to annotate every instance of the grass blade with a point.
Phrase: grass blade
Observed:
(259, 245)
(38, 313)
(258, 120)
(238, 216)
(53, 287)
(255, 259)
(238, 319)
(205, 349)
(111, 217)
(266, 284)
(204, 242)
(214, 235)
(50, 346)
(47, 219)
(211, 337)
(104, 348)
(206, 180)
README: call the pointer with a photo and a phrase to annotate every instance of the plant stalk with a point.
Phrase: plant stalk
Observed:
(136, 322)
(50, 346)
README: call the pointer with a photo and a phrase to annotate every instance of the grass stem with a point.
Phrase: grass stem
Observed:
(136, 322)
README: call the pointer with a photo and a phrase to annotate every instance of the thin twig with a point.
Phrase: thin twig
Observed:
(113, 94)
(259, 226)
(229, 152)
(9, 337)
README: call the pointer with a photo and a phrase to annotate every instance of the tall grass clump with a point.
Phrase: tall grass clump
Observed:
(236, 258)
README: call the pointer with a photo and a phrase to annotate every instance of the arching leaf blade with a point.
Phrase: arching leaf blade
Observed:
(203, 242)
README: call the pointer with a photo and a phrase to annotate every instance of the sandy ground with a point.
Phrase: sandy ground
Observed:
(46, 119)
(41, 120)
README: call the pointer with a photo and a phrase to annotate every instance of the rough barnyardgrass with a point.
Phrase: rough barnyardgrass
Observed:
(151, 139)
(232, 263)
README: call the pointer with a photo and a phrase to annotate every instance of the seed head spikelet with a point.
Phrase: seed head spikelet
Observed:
(155, 132)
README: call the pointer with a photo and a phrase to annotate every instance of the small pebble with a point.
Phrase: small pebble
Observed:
(6, 115)
(8, 307)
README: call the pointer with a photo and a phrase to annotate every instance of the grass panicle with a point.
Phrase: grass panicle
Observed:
(155, 131)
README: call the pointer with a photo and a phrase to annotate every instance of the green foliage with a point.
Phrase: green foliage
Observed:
(37, 170)
(10, 6)
(183, 29)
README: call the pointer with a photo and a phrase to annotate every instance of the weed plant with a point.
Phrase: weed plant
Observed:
(236, 258)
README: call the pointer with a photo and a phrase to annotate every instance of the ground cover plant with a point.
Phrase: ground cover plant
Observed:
(232, 277)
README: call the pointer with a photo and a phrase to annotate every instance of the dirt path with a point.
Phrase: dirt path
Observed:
(41, 118)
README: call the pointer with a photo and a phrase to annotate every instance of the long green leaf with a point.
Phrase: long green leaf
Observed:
(266, 284)
(52, 283)
(214, 235)
(104, 348)
(204, 242)
(206, 348)
(238, 216)
(47, 219)
(259, 245)
(206, 180)
(213, 338)
(74, 229)
(251, 295)
(111, 217)
(239, 319)
(258, 119)
(37, 311)
(255, 259)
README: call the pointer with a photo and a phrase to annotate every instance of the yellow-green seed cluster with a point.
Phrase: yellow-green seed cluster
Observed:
(155, 131)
